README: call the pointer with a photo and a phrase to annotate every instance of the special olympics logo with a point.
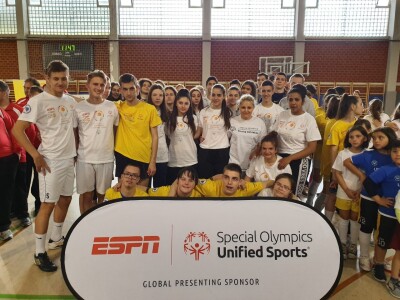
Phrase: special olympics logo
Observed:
(197, 243)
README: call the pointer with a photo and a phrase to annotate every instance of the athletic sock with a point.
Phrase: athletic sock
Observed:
(343, 226)
(354, 231)
(40, 243)
(56, 233)
(364, 239)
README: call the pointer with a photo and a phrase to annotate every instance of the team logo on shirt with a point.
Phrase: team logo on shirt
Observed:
(180, 126)
(291, 125)
(268, 116)
(397, 178)
(202, 181)
(196, 244)
(374, 163)
(27, 109)
(63, 110)
(98, 115)
(264, 176)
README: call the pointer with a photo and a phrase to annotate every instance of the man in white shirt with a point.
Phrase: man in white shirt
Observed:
(95, 122)
(52, 112)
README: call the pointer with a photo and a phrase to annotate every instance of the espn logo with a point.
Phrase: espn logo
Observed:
(124, 244)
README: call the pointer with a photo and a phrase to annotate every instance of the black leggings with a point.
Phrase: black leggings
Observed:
(300, 170)
(212, 161)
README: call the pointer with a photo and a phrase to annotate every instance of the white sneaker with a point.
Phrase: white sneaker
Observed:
(6, 235)
(365, 263)
(388, 265)
(56, 244)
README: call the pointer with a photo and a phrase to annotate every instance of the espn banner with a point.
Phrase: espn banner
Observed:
(202, 249)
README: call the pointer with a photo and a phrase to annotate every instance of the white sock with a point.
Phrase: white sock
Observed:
(56, 233)
(40, 243)
(354, 231)
(364, 239)
(343, 227)
(329, 214)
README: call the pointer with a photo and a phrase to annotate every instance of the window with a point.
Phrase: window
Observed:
(8, 21)
(252, 18)
(160, 18)
(342, 18)
(72, 17)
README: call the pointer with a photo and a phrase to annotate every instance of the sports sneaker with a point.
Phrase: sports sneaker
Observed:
(44, 262)
(56, 244)
(25, 222)
(6, 235)
(393, 286)
(379, 272)
(365, 263)
(344, 251)
(352, 251)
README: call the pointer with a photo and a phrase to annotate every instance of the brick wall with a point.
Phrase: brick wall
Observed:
(8, 60)
(240, 59)
(347, 61)
(101, 58)
(166, 60)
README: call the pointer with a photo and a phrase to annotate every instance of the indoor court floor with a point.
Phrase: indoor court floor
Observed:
(21, 279)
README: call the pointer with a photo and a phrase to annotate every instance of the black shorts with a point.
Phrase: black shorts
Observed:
(386, 229)
(368, 215)
(121, 162)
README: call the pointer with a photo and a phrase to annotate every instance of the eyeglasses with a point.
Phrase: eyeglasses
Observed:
(131, 175)
(285, 187)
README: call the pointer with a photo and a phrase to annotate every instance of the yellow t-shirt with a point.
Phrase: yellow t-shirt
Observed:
(113, 195)
(338, 133)
(134, 130)
(320, 118)
(211, 188)
(163, 191)
(326, 165)
(315, 103)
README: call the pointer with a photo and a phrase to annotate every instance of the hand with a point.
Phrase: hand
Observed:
(117, 187)
(284, 162)
(385, 202)
(351, 194)
(242, 184)
(333, 184)
(151, 169)
(392, 125)
(41, 165)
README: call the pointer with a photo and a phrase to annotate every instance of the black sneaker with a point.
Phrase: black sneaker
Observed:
(379, 272)
(44, 262)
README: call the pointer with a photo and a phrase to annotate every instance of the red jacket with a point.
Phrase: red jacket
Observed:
(8, 144)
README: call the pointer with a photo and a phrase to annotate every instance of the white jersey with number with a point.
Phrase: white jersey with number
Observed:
(245, 134)
(295, 131)
(182, 148)
(267, 114)
(54, 118)
(95, 123)
(214, 131)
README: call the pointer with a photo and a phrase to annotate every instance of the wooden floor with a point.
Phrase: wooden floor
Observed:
(21, 279)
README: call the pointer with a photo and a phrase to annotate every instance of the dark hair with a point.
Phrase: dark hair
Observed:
(267, 83)
(282, 74)
(3, 86)
(211, 78)
(128, 78)
(33, 81)
(160, 82)
(96, 73)
(300, 89)
(389, 132)
(331, 91)
(344, 106)
(163, 109)
(35, 89)
(56, 66)
(234, 81)
(170, 87)
(188, 171)
(143, 80)
(133, 164)
(288, 177)
(263, 74)
(201, 104)
(326, 99)
(333, 106)
(187, 118)
(363, 122)
(396, 113)
(225, 111)
(311, 88)
(233, 167)
(114, 83)
(235, 88)
(340, 90)
(252, 84)
(376, 108)
(271, 137)
(297, 75)
(362, 131)
(395, 144)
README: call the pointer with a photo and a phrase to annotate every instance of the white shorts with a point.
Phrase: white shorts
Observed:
(90, 177)
(60, 182)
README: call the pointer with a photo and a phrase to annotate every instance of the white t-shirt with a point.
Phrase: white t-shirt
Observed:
(259, 171)
(182, 148)
(370, 118)
(245, 134)
(352, 181)
(397, 122)
(267, 192)
(95, 124)
(214, 132)
(162, 151)
(54, 118)
(267, 114)
(295, 131)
